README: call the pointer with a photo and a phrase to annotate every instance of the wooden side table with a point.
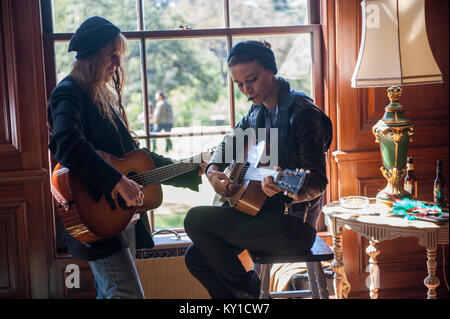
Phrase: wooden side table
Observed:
(374, 223)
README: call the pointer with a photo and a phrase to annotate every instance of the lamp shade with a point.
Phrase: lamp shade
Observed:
(394, 47)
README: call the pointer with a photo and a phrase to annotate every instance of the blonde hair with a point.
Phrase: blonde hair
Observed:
(89, 74)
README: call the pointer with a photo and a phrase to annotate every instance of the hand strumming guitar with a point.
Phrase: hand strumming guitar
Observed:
(221, 183)
(130, 191)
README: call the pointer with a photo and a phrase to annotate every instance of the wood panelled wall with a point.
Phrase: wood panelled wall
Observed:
(26, 238)
(355, 160)
(28, 266)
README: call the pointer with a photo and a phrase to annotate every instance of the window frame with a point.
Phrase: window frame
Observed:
(314, 28)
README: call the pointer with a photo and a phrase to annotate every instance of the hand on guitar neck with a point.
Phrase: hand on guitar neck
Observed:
(201, 169)
(269, 187)
(245, 186)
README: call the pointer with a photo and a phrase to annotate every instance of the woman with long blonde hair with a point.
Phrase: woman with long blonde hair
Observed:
(86, 114)
(104, 83)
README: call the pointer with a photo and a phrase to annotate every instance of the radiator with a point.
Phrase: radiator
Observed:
(163, 272)
(168, 278)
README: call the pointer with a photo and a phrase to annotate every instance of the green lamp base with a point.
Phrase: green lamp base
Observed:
(393, 132)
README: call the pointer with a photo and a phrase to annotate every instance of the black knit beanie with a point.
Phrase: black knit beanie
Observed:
(91, 36)
(256, 50)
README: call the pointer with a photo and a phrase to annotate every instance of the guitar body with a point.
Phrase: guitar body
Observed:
(249, 199)
(247, 175)
(88, 220)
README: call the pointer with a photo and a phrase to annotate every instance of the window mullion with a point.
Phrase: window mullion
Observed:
(232, 112)
(205, 33)
(143, 54)
(226, 12)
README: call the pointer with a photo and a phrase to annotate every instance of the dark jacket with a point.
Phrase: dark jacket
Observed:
(308, 136)
(77, 130)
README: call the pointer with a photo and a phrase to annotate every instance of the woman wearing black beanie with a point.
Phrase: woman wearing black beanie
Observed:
(284, 224)
(86, 114)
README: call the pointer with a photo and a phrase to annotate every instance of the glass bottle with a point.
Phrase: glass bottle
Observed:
(410, 184)
(438, 188)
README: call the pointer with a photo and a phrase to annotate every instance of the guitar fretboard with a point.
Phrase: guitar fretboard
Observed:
(243, 171)
(257, 174)
(161, 174)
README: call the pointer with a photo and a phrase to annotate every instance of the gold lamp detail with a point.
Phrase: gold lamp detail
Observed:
(394, 51)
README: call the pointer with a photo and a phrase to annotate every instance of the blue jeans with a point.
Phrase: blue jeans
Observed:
(116, 276)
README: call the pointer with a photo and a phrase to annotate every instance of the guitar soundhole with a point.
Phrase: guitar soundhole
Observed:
(121, 200)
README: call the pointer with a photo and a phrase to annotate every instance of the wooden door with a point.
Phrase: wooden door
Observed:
(26, 236)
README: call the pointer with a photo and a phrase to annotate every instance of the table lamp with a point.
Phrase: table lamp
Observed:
(394, 51)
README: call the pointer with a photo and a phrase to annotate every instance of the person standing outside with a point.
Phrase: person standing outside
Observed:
(163, 118)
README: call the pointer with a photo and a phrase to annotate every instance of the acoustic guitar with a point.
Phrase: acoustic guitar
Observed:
(88, 219)
(248, 196)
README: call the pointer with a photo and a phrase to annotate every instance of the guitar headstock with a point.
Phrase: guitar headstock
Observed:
(292, 181)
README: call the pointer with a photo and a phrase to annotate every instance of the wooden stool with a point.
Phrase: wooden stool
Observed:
(320, 251)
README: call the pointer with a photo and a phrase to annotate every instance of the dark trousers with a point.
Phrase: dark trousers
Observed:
(220, 234)
(159, 128)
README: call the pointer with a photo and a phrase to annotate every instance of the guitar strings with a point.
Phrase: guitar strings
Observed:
(254, 173)
(163, 173)
(150, 177)
(166, 172)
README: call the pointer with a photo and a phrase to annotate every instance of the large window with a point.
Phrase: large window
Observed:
(180, 47)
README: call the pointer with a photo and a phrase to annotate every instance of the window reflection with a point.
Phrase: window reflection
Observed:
(132, 93)
(257, 13)
(69, 14)
(293, 56)
(171, 14)
(193, 76)
(63, 60)
(177, 201)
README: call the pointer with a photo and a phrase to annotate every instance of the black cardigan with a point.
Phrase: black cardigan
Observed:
(77, 130)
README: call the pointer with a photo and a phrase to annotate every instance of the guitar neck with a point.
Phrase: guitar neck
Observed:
(257, 174)
(164, 173)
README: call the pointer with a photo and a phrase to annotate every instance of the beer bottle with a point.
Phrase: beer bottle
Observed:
(438, 188)
(410, 184)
